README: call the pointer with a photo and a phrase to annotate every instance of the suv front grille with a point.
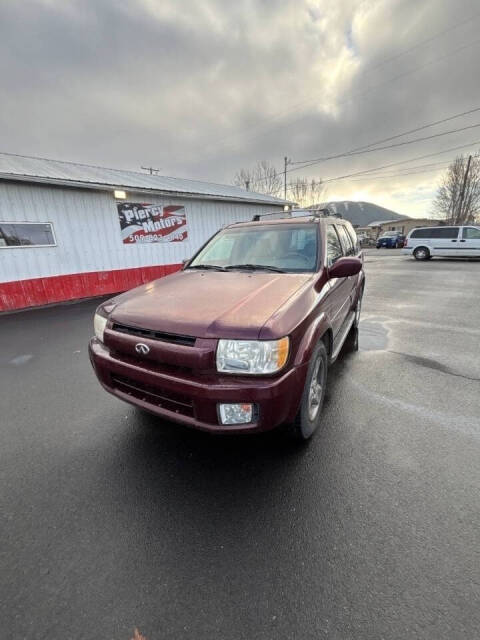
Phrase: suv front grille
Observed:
(174, 338)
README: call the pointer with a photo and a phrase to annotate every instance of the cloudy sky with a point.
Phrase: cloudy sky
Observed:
(202, 88)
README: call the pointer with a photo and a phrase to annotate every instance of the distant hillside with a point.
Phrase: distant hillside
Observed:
(362, 213)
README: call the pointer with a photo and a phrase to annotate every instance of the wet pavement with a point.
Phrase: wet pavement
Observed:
(112, 520)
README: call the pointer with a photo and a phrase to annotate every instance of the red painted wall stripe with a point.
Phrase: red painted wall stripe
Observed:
(38, 291)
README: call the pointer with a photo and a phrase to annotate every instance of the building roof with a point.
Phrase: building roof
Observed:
(379, 223)
(43, 170)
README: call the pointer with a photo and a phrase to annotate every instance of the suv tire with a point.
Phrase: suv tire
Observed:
(309, 413)
(421, 253)
(351, 341)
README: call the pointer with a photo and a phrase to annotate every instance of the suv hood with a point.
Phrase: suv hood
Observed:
(208, 304)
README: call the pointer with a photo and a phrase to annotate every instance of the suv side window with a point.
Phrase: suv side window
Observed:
(471, 233)
(334, 248)
(353, 235)
(347, 244)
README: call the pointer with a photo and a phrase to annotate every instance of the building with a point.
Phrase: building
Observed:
(70, 230)
(404, 226)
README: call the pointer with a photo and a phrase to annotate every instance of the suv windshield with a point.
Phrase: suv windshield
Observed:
(288, 248)
(389, 234)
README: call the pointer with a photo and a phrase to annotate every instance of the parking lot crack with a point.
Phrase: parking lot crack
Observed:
(433, 364)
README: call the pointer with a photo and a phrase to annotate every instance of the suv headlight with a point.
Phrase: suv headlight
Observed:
(252, 356)
(99, 324)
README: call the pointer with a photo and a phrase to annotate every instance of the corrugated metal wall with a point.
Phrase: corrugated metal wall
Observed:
(89, 242)
(88, 232)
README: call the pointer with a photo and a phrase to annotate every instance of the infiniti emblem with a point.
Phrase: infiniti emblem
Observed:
(142, 348)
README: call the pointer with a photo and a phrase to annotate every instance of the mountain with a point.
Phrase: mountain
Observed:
(362, 213)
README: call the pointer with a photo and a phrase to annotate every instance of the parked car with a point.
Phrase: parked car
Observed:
(454, 241)
(241, 338)
(390, 240)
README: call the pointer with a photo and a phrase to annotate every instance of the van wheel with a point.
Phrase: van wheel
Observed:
(421, 253)
(309, 413)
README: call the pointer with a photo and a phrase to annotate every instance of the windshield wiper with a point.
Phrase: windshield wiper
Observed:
(214, 267)
(255, 267)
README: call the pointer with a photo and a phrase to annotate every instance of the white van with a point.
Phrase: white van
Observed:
(455, 241)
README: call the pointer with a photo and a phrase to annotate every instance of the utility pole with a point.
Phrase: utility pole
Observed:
(150, 170)
(462, 192)
(286, 163)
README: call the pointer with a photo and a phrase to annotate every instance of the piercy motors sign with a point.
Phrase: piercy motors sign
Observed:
(142, 223)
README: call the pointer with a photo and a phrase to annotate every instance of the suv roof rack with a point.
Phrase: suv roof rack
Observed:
(324, 212)
(278, 214)
(315, 213)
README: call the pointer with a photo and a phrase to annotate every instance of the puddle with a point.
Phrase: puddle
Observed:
(373, 336)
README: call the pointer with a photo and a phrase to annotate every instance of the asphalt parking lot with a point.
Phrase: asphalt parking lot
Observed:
(112, 520)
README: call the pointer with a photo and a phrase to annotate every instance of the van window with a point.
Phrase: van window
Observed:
(435, 232)
(471, 233)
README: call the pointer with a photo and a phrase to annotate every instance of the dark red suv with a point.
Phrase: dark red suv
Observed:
(241, 338)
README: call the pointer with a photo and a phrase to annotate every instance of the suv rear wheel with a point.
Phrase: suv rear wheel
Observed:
(309, 413)
(421, 253)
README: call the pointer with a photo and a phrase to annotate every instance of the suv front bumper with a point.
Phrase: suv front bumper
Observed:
(193, 399)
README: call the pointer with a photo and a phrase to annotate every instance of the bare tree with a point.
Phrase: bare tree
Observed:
(244, 178)
(263, 178)
(305, 192)
(458, 197)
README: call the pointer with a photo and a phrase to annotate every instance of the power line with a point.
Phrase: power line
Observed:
(419, 167)
(398, 135)
(424, 42)
(389, 176)
(356, 151)
(360, 93)
(394, 164)
(390, 146)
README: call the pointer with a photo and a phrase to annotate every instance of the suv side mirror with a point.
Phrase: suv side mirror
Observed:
(345, 267)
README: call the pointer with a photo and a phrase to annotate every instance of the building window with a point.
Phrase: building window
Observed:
(26, 234)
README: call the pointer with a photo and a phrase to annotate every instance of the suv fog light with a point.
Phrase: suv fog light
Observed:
(235, 413)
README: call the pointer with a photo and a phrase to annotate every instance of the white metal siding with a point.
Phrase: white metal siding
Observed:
(87, 230)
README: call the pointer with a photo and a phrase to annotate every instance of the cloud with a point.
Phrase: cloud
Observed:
(202, 89)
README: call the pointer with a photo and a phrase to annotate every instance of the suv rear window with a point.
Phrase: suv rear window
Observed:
(435, 232)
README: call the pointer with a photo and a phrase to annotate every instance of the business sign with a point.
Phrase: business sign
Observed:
(142, 223)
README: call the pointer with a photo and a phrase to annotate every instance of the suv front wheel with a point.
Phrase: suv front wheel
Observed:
(309, 413)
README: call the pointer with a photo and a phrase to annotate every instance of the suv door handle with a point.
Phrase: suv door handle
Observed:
(462, 240)
(453, 240)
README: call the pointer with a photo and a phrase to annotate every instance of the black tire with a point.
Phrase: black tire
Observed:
(421, 253)
(309, 414)
(351, 341)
